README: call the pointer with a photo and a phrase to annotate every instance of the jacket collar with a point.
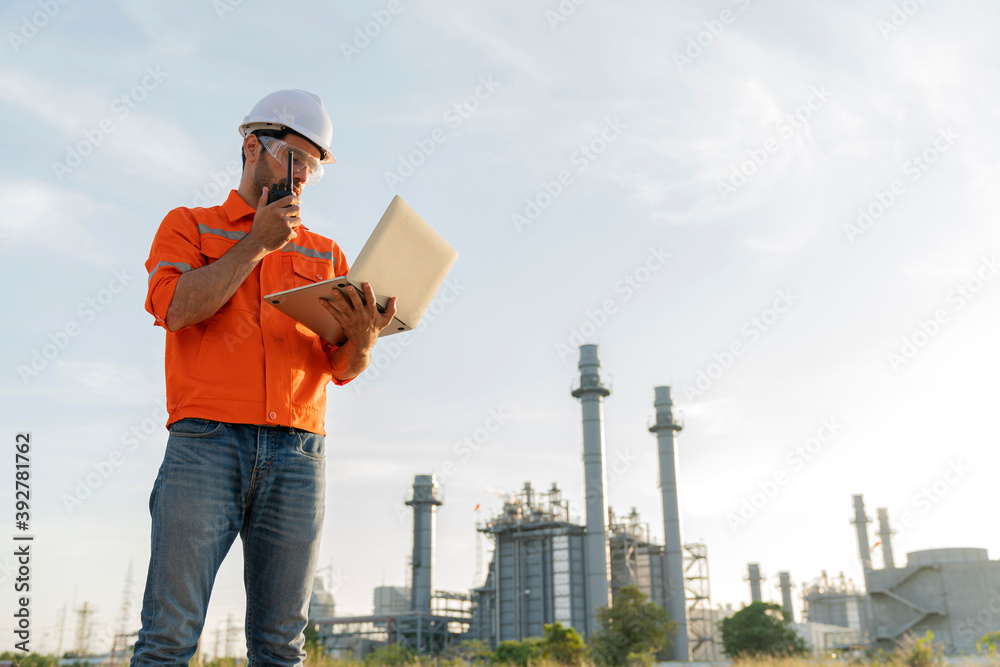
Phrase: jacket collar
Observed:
(236, 208)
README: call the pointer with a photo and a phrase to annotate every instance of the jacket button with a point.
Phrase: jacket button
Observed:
(273, 415)
(319, 277)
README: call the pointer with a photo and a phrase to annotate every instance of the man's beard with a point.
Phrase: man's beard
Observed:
(263, 177)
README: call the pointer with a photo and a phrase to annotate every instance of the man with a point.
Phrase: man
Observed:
(246, 393)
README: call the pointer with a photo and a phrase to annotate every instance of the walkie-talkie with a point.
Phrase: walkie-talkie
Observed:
(282, 189)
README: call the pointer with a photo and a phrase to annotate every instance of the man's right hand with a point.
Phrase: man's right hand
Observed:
(274, 224)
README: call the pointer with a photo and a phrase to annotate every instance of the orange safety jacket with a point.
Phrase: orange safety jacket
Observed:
(249, 363)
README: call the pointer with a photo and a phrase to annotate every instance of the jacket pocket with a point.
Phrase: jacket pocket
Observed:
(300, 270)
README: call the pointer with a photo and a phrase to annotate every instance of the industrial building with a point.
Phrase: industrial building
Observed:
(432, 619)
(835, 602)
(824, 610)
(953, 593)
(545, 568)
(538, 571)
(635, 560)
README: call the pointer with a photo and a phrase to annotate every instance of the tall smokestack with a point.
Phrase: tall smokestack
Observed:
(785, 582)
(885, 534)
(665, 429)
(591, 392)
(424, 502)
(753, 574)
(861, 522)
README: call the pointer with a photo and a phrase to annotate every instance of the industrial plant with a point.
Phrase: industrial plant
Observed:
(545, 568)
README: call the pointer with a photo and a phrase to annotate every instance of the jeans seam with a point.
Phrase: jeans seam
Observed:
(248, 569)
(251, 655)
(156, 547)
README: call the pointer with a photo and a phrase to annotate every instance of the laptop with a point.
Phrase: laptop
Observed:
(403, 258)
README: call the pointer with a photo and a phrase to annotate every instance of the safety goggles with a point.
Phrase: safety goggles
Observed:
(279, 149)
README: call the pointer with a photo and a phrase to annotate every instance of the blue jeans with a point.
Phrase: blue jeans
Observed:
(218, 480)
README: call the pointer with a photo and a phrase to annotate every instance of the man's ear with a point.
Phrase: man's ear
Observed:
(252, 146)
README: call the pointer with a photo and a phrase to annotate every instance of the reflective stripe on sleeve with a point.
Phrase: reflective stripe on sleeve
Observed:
(181, 266)
(234, 235)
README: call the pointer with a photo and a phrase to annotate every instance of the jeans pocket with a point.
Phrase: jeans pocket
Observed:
(195, 427)
(312, 445)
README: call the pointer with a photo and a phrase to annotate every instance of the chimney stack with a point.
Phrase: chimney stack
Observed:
(885, 534)
(861, 522)
(785, 582)
(424, 502)
(753, 574)
(666, 428)
(591, 392)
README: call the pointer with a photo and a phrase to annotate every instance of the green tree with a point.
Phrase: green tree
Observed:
(760, 629)
(520, 653)
(563, 645)
(631, 630)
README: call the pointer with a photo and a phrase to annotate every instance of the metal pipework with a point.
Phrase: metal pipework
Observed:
(591, 392)
(666, 428)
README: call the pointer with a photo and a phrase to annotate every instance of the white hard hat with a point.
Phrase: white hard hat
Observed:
(297, 110)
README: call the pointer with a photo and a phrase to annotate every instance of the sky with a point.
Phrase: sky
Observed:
(781, 210)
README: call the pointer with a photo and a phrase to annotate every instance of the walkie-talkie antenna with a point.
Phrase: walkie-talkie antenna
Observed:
(290, 162)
